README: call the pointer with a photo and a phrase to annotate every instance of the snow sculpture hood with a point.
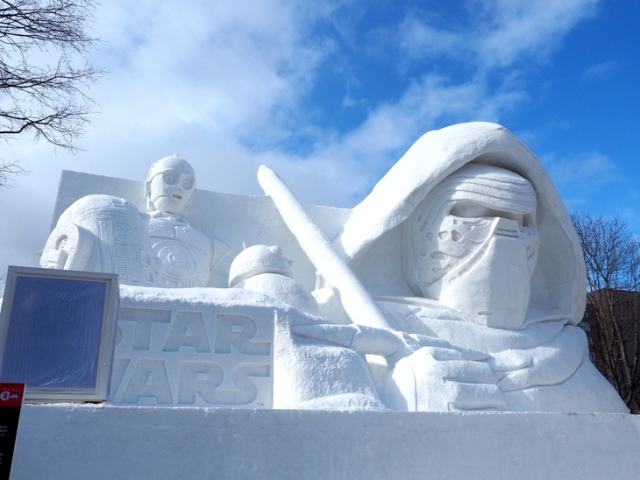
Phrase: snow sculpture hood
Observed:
(558, 284)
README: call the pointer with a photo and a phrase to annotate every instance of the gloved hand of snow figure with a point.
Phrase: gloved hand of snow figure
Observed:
(435, 379)
(390, 344)
(428, 374)
(548, 364)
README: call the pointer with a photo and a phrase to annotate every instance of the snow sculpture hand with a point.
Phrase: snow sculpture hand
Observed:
(391, 344)
(378, 341)
(548, 364)
(430, 374)
(436, 379)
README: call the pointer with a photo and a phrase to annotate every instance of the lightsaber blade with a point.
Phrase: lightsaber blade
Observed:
(355, 299)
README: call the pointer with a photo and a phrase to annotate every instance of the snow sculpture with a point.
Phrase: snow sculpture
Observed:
(68, 248)
(187, 255)
(538, 358)
(475, 232)
(103, 233)
(265, 269)
(456, 285)
(194, 347)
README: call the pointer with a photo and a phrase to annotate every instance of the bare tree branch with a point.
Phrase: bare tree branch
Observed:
(43, 73)
(612, 257)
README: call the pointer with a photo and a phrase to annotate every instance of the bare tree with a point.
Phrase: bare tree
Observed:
(612, 256)
(42, 71)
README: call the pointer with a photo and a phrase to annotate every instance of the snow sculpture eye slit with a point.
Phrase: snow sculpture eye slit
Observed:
(481, 247)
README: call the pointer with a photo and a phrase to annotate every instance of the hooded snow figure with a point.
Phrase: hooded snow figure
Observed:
(472, 244)
(466, 239)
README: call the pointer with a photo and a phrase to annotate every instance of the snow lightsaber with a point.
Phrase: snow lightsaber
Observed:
(355, 299)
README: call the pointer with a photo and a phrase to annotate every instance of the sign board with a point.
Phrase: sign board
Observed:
(11, 397)
(57, 332)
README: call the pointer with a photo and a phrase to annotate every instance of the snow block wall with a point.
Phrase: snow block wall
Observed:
(68, 442)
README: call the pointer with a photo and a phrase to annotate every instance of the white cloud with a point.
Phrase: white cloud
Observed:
(498, 32)
(530, 28)
(195, 77)
(418, 39)
(601, 71)
(221, 66)
(225, 83)
(581, 177)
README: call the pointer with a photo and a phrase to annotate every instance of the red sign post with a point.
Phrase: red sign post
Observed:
(11, 396)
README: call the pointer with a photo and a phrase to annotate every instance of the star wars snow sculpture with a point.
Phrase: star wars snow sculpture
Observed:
(456, 285)
(330, 374)
(477, 249)
(475, 232)
(103, 233)
(266, 270)
(186, 254)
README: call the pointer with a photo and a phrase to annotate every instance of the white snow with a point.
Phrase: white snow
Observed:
(80, 442)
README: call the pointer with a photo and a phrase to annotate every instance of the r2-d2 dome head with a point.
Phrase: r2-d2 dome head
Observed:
(259, 259)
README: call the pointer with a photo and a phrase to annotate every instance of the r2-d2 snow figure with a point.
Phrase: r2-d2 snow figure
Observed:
(102, 233)
(265, 269)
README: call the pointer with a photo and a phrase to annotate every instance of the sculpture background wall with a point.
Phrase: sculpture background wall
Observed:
(233, 219)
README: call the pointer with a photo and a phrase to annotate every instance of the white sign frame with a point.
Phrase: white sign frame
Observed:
(12, 339)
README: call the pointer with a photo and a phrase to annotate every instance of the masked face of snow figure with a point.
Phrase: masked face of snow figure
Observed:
(473, 244)
(170, 183)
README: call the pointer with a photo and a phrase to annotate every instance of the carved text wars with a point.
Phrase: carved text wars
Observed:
(193, 357)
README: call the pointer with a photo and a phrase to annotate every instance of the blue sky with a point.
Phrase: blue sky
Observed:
(330, 94)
